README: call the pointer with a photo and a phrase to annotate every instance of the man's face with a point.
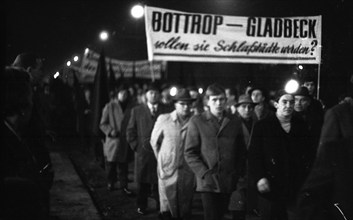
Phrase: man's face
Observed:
(285, 105)
(194, 94)
(310, 86)
(183, 108)
(152, 96)
(217, 103)
(301, 103)
(36, 73)
(122, 95)
(257, 96)
(245, 110)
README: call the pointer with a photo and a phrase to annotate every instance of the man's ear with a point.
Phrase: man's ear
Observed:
(275, 104)
(29, 69)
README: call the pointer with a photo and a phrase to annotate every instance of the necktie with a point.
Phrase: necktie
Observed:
(154, 110)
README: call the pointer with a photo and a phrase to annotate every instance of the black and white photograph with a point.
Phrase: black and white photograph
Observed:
(177, 110)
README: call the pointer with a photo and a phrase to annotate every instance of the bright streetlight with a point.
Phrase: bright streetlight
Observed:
(75, 58)
(173, 91)
(56, 75)
(104, 35)
(137, 11)
(200, 90)
(68, 63)
(291, 86)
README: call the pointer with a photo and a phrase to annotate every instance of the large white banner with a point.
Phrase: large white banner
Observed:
(195, 37)
(143, 69)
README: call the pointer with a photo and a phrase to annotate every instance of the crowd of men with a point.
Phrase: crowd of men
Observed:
(276, 158)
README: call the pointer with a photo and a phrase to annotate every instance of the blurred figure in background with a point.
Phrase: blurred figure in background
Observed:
(232, 96)
(259, 96)
(117, 152)
(314, 121)
(166, 98)
(244, 199)
(197, 105)
(317, 105)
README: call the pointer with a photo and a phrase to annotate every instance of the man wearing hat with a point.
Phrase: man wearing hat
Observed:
(113, 123)
(245, 197)
(175, 179)
(32, 63)
(245, 111)
(215, 152)
(138, 135)
(314, 120)
(279, 159)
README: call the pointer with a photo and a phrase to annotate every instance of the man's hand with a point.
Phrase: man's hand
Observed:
(263, 185)
(114, 133)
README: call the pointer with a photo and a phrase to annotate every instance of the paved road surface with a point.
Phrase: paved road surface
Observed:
(79, 190)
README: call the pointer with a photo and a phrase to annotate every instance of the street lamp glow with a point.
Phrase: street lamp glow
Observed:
(137, 11)
(103, 35)
(56, 75)
(68, 63)
(75, 58)
(291, 86)
(86, 51)
(200, 90)
(300, 67)
(173, 91)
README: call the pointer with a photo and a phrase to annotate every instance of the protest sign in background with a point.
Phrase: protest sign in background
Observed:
(141, 69)
(195, 37)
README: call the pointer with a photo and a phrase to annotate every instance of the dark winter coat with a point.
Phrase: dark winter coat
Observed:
(283, 158)
(216, 149)
(328, 193)
(338, 123)
(138, 134)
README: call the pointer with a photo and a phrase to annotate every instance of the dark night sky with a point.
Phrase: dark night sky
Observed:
(57, 30)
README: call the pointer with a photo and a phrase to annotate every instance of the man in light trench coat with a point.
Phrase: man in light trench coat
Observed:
(117, 152)
(175, 178)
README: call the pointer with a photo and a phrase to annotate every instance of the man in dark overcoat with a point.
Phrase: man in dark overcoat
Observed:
(338, 122)
(279, 159)
(215, 151)
(328, 193)
(138, 135)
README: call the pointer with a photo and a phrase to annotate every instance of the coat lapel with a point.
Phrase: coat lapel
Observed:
(225, 122)
(147, 115)
(212, 121)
